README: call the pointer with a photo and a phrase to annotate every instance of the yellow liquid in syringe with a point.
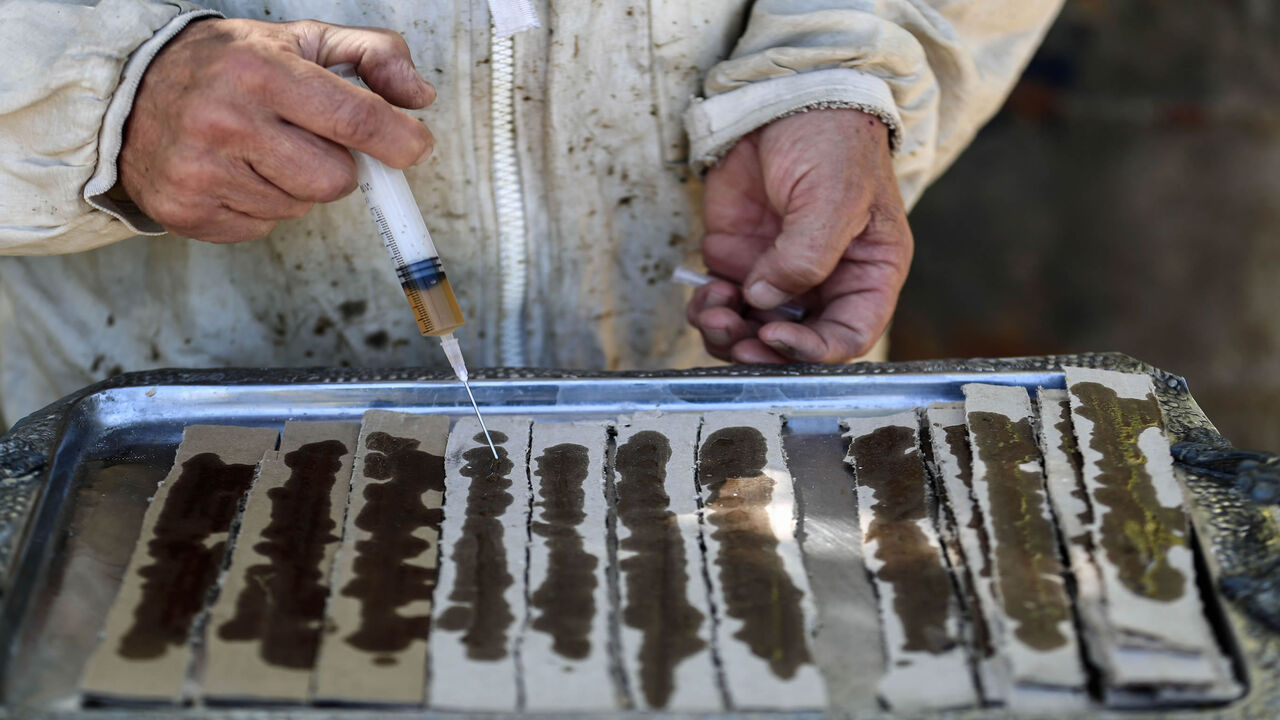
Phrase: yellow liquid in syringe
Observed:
(435, 307)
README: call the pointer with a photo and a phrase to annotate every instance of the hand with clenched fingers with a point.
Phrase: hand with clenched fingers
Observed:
(805, 210)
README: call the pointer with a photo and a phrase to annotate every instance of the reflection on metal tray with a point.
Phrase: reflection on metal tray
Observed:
(75, 479)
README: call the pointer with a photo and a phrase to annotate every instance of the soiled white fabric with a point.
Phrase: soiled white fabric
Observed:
(612, 203)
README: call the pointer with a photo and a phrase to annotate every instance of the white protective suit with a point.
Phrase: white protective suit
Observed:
(608, 135)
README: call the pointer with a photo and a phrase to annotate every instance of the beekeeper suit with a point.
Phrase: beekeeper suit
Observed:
(560, 252)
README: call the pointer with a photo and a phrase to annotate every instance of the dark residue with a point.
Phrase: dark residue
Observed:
(958, 441)
(384, 581)
(1137, 530)
(957, 437)
(201, 502)
(888, 463)
(1067, 444)
(352, 309)
(480, 555)
(283, 600)
(1027, 564)
(378, 341)
(757, 589)
(656, 577)
(566, 597)
(324, 324)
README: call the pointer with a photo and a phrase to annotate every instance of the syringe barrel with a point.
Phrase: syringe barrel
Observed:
(405, 236)
(386, 192)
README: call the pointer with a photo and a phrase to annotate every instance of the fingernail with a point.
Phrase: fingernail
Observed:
(765, 296)
(423, 157)
(716, 336)
(783, 349)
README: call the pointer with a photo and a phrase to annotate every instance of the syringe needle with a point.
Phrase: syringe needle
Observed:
(451, 350)
(479, 417)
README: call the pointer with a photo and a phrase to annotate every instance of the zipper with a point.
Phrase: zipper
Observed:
(509, 17)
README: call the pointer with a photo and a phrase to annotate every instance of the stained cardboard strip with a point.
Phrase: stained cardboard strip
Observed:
(264, 631)
(145, 651)
(765, 612)
(378, 618)
(901, 547)
(665, 615)
(949, 440)
(480, 601)
(565, 645)
(1036, 629)
(1155, 630)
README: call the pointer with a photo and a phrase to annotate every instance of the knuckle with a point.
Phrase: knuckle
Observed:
(191, 178)
(801, 271)
(305, 32)
(183, 219)
(391, 39)
(241, 63)
(333, 185)
(259, 229)
(356, 121)
(418, 144)
(209, 121)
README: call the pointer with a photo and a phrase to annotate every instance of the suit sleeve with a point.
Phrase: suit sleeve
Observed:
(933, 70)
(68, 75)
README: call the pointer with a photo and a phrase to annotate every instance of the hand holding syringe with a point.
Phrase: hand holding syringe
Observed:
(417, 264)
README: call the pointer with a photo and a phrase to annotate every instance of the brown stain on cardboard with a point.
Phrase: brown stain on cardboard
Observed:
(283, 600)
(656, 577)
(566, 598)
(480, 555)
(1068, 446)
(1027, 564)
(958, 440)
(757, 590)
(383, 580)
(1137, 531)
(888, 462)
(957, 437)
(200, 503)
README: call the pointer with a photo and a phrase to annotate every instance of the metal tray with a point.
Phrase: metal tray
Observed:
(69, 516)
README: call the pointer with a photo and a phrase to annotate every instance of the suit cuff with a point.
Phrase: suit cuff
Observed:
(98, 191)
(716, 123)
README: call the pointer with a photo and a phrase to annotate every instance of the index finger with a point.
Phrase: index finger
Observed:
(316, 100)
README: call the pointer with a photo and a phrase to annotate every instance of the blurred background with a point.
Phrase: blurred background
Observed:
(1127, 197)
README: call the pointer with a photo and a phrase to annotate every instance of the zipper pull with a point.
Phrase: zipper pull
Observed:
(512, 16)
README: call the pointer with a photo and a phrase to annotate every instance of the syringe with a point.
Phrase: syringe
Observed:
(417, 264)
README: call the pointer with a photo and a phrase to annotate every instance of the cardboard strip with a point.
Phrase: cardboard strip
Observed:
(758, 582)
(264, 631)
(378, 617)
(949, 440)
(1036, 629)
(903, 552)
(665, 616)
(145, 653)
(1140, 539)
(480, 603)
(565, 645)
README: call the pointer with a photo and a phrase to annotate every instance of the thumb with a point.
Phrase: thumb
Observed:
(805, 253)
(381, 58)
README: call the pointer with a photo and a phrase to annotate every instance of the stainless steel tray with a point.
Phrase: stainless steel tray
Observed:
(69, 516)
